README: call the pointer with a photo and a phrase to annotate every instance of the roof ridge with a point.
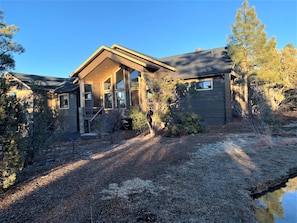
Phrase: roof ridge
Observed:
(194, 52)
(38, 75)
(143, 56)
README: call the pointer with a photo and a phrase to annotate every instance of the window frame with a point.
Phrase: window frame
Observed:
(88, 93)
(201, 81)
(116, 99)
(108, 91)
(134, 88)
(59, 98)
(116, 79)
(104, 100)
(130, 80)
(119, 90)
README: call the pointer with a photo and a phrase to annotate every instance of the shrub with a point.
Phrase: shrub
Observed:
(138, 119)
(268, 122)
(184, 124)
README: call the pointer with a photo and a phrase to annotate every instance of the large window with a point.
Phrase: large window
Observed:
(114, 88)
(134, 87)
(120, 91)
(108, 100)
(120, 83)
(121, 99)
(64, 101)
(107, 84)
(108, 95)
(134, 79)
(88, 92)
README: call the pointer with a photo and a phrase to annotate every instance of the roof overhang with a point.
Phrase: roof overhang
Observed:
(120, 55)
(10, 77)
(141, 56)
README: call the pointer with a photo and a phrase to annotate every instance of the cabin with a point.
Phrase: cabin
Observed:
(112, 79)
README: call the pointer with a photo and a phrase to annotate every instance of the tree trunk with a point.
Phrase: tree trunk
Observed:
(152, 131)
(245, 104)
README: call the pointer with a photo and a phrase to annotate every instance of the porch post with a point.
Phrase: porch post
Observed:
(81, 109)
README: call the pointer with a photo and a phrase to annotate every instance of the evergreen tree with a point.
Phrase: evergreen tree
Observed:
(12, 115)
(12, 119)
(44, 127)
(289, 77)
(289, 66)
(162, 97)
(7, 45)
(252, 52)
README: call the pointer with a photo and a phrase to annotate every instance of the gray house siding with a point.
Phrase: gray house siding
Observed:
(208, 104)
(228, 98)
(213, 106)
(69, 116)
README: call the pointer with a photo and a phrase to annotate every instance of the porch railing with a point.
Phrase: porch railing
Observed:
(97, 113)
(90, 113)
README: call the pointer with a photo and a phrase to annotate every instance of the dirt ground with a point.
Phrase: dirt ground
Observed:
(207, 177)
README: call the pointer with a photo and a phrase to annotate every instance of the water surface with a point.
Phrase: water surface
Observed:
(279, 206)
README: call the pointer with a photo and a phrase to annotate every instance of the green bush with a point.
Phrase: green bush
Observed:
(184, 124)
(268, 119)
(138, 119)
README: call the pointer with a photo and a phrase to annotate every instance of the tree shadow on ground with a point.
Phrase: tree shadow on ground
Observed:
(69, 191)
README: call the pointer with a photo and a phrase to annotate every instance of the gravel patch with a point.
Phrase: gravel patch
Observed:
(128, 187)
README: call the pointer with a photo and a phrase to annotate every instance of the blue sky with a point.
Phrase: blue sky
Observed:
(59, 35)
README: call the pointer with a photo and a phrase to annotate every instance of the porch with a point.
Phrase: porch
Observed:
(110, 82)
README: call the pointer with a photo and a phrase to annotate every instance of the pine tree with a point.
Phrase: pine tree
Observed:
(12, 114)
(7, 45)
(289, 66)
(253, 53)
(289, 77)
(12, 119)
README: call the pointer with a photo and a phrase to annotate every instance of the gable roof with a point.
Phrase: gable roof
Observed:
(143, 60)
(141, 56)
(201, 63)
(56, 84)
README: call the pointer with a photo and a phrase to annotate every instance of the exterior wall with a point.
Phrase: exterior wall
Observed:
(69, 116)
(208, 104)
(228, 104)
(24, 94)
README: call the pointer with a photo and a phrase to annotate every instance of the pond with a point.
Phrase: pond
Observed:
(278, 206)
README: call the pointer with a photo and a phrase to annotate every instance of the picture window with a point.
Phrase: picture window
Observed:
(120, 83)
(107, 84)
(134, 82)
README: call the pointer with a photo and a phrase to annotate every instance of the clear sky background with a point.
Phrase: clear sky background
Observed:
(59, 35)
